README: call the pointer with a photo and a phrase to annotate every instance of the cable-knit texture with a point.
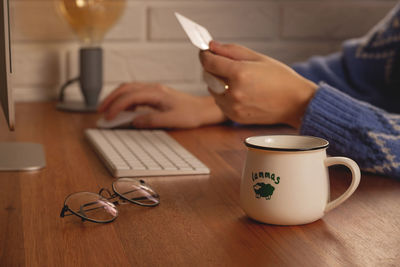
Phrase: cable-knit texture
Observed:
(355, 129)
(357, 105)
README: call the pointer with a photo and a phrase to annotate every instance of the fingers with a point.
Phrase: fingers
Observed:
(131, 95)
(228, 60)
(234, 51)
(122, 89)
(218, 65)
(130, 100)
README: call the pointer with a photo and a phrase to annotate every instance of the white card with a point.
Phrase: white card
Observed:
(198, 35)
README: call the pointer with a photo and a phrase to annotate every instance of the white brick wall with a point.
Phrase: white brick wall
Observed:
(147, 44)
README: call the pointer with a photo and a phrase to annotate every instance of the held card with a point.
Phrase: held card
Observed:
(200, 37)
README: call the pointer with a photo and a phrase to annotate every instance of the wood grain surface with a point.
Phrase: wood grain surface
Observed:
(199, 221)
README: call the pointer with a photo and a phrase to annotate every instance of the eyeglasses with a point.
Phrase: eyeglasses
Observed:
(101, 209)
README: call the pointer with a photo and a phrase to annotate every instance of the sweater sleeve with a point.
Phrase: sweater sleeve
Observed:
(356, 129)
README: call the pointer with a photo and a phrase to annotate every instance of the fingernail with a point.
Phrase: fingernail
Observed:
(213, 44)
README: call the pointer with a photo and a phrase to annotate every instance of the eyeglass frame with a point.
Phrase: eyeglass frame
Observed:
(122, 198)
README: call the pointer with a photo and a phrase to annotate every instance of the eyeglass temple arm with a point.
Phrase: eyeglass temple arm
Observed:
(66, 209)
(63, 211)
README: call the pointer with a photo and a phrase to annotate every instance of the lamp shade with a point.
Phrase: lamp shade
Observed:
(91, 19)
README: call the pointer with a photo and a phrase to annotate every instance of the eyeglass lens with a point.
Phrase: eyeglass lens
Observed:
(91, 206)
(136, 191)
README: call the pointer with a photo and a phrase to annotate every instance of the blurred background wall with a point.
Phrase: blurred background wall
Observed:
(147, 43)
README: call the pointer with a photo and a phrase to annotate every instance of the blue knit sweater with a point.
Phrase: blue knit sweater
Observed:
(357, 105)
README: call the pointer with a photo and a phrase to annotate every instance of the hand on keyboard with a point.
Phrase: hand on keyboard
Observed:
(173, 109)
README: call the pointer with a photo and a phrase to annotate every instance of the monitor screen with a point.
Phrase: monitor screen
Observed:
(6, 97)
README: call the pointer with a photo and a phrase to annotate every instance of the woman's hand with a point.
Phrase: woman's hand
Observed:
(261, 90)
(170, 108)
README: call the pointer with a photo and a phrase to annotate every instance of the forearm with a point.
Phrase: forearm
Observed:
(355, 129)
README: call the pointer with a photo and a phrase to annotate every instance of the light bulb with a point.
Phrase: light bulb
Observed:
(90, 19)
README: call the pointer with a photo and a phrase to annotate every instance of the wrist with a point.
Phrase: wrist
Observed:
(303, 97)
(210, 113)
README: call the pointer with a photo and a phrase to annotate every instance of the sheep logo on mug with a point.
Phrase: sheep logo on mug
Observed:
(261, 189)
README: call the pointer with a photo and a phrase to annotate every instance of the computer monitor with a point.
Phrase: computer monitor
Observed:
(6, 67)
(14, 156)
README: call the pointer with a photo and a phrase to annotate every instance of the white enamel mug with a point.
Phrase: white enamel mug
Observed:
(285, 179)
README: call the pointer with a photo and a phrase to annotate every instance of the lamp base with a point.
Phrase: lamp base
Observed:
(90, 80)
(75, 106)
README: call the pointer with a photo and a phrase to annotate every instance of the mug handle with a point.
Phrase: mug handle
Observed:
(355, 175)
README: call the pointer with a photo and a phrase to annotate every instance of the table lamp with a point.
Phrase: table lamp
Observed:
(90, 20)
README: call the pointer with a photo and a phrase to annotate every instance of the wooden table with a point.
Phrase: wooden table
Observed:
(199, 221)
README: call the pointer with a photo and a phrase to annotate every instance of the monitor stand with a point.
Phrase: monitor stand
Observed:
(16, 156)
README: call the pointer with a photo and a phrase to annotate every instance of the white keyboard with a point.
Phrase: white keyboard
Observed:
(130, 153)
